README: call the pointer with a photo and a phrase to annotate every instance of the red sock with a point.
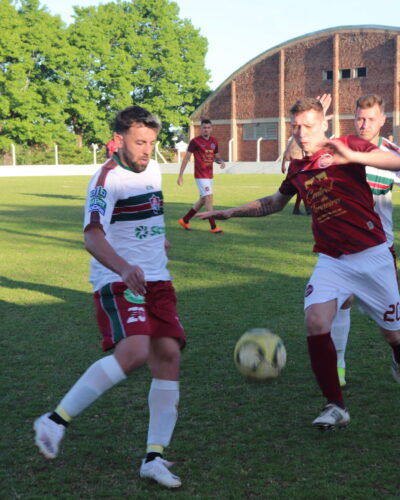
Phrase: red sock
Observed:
(189, 215)
(323, 362)
(211, 220)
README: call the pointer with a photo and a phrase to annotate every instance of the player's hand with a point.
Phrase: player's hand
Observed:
(217, 214)
(133, 277)
(167, 246)
(341, 154)
(326, 101)
(180, 180)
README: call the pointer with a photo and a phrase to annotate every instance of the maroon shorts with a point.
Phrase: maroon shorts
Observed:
(121, 314)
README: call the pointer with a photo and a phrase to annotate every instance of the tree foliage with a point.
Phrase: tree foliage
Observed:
(58, 81)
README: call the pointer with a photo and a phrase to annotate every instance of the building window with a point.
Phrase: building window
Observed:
(360, 72)
(327, 74)
(345, 73)
(253, 131)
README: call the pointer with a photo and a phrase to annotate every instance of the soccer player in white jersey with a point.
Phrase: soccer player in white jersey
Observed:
(124, 231)
(369, 120)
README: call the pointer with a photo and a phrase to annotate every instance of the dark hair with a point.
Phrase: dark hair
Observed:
(306, 104)
(369, 100)
(205, 120)
(135, 114)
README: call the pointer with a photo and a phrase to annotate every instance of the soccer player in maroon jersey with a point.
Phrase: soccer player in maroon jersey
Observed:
(205, 150)
(353, 254)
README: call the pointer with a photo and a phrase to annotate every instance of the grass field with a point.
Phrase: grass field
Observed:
(234, 439)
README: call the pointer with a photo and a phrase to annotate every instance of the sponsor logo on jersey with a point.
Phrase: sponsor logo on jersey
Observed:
(131, 297)
(309, 290)
(155, 203)
(370, 225)
(148, 231)
(97, 202)
(136, 314)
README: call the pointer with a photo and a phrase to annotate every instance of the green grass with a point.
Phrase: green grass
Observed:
(234, 439)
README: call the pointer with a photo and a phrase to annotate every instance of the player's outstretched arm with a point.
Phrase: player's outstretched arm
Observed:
(341, 154)
(258, 208)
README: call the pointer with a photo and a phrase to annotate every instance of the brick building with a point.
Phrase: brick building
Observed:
(254, 101)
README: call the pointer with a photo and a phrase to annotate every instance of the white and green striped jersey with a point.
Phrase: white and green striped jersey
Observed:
(381, 183)
(129, 207)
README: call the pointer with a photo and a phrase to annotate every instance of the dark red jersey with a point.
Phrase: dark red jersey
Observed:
(204, 151)
(343, 217)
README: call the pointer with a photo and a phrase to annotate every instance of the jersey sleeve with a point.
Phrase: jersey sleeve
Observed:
(357, 144)
(287, 188)
(192, 146)
(101, 198)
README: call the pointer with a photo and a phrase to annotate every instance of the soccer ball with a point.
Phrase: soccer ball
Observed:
(259, 354)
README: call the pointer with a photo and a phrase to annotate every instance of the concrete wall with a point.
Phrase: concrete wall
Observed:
(166, 168)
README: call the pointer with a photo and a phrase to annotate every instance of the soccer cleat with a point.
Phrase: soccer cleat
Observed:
(396, 370)
(157, 470)
(216, 230)
(332, 417)
(48, 435)
(342, 375)
(185, 225)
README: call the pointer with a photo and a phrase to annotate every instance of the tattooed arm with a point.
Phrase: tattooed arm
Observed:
(258, 208)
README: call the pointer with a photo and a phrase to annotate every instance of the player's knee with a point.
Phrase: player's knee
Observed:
(315, 323)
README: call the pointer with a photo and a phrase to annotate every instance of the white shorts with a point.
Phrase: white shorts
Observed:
(369, 275)
(205, 186)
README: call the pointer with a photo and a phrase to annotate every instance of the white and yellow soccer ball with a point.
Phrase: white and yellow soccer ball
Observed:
(259, 354)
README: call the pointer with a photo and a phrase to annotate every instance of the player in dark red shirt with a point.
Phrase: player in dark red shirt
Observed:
(205, 151)
(353, 255)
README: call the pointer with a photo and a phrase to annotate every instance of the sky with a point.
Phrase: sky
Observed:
(240, 30)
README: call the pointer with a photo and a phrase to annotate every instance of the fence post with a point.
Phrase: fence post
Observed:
(55, 154)
(230, 147)
(14, 159)
(94, 146)
(158, 153)
(258, 149)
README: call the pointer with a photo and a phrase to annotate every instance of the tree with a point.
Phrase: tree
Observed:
(33, 54)
(137, 52)
(59, 82)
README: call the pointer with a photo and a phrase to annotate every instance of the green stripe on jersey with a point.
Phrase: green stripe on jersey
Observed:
(107, 299)
(139, 199)
(145, 214)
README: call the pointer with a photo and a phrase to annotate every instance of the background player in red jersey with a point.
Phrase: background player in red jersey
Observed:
(205, 150)
(353, 255)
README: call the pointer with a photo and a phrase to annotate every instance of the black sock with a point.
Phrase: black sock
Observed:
(55, 417)
(396, 352)
(152, 455)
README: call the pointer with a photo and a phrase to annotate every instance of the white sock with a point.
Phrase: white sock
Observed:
(163, 405)
(340, 333)
(98, 378)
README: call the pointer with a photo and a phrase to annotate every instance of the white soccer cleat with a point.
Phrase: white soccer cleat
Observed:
(332, 417)
(48, 435)
(157, 469)
(396, 370)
